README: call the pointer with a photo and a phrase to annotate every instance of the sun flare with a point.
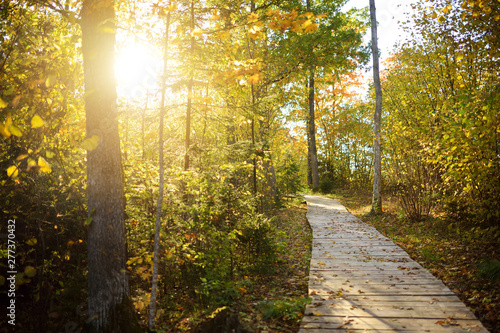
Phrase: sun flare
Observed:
(136, 71)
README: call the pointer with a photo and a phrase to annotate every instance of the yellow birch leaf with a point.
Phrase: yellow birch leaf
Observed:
(4, 130)
(31, 164)
(21, 157)
(12, 171)
(44, 166)
(15, 131)
(8, 122)
(441, 19)
(3, 103)
(36, 121)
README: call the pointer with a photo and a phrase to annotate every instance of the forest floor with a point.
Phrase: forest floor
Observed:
(454, 252)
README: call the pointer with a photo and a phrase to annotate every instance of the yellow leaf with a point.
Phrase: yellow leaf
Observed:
(8, 122)
(31, 164)
(49, 154)
(441, 19)
(3, 104)
(434, 15)
(21, 157)
(36, 121)
(44, 166)
(90, 143)
(197, 32)
(252, 17)
(254, 78)
(12, 171)
(216, 15)
(308, 15)
(311, 28)
(4, 130)
(172, 7)
(15, 131)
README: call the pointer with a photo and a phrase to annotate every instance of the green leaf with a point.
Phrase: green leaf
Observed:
(88, 221)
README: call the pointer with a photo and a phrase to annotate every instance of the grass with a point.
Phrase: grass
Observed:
(465, 258)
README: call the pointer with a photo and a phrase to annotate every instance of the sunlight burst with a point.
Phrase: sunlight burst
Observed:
(136, 71)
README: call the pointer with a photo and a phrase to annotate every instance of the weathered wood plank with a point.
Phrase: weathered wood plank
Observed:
(361, 281)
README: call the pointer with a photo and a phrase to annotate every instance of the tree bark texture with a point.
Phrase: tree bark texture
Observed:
(313, 155)
(108, 287)
(377, 176)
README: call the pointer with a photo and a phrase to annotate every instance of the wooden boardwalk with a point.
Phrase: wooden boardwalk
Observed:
(360, 281)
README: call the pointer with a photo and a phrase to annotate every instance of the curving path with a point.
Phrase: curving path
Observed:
(360, 281)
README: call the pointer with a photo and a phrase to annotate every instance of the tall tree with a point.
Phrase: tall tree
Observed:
(311, 134)
(108, 287)
(377, 175)
(311, 128)
(161, 170)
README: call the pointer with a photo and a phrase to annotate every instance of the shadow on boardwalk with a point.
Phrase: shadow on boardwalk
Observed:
(361, 281)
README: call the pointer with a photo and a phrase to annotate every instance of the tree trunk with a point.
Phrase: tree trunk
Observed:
(311, 132)
(190, 94)
(377, 176)
(156, 250)
(109, 306)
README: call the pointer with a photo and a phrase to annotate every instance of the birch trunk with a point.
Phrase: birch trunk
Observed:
(377, 176)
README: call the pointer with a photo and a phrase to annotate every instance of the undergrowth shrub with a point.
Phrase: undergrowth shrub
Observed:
(213, 234)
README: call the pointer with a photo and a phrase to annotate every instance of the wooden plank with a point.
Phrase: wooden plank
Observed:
(361, 281)
(323, 324)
